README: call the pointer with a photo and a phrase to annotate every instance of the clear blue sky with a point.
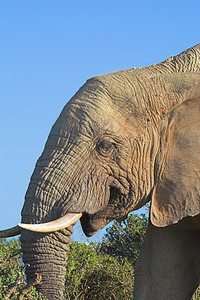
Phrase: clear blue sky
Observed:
(48, 49)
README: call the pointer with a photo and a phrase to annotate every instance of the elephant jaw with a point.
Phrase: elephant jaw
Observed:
(91, 224)
(114, 210)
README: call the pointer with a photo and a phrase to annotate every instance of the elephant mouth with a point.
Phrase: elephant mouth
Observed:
(91, 223)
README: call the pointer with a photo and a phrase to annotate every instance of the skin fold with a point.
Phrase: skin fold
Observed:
(124, 139)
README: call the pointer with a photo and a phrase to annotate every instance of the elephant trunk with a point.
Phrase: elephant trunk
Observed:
(44, 253)
(47, 256)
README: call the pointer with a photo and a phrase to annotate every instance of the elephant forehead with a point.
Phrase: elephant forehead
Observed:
(92, 115)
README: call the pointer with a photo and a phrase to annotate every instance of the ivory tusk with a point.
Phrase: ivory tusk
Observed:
(52, 226)
(10, 232)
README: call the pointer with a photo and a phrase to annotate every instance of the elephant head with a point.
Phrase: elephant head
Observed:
(110, 152)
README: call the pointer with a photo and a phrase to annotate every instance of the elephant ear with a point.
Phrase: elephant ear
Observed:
(176, 193)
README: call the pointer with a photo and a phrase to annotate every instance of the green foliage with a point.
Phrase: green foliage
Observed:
(91, 275)
(124, 240)
(10, 268)
(196, 295)
(12, 278)
(105, 271)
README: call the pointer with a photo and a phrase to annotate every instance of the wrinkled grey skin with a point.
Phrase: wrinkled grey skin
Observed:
(105, 157)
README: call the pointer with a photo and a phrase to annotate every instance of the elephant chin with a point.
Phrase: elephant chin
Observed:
(91, 223)
(90, 226)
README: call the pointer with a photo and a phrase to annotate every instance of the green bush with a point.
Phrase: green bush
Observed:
(10, 267)
(196, 295)
(124, 240)
(12, 278)
(92, 275)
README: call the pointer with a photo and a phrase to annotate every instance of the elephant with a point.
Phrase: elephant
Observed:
(124, 139)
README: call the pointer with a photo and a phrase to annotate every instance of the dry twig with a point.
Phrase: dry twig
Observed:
(29, 285)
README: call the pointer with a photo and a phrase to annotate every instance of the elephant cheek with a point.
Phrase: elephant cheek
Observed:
(46, 254)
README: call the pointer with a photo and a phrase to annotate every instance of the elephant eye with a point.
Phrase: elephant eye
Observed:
(105, 147)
